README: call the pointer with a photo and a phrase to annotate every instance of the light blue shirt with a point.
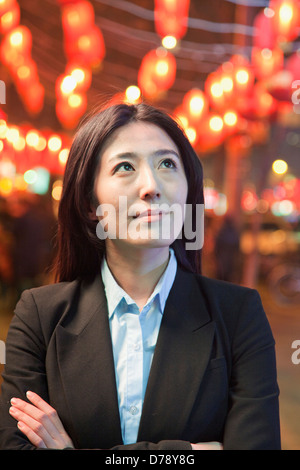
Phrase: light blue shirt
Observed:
(134, 335)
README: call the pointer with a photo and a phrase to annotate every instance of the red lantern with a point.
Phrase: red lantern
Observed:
(286, 18)
(25, 75)
(87, 49)
(33, 97)
(258, 105)
(266, 62)
(18, 40)
(195, 105)
(265, 36)
(231, 121)
(243, 75)
(211, 132)
(171, 17)
(6, 5)
(70, 110)
(293, 65)
(67, 2)
(10, 19)
(82, 76)
(280, 86)
(77, 19)
(214, 90)
(157, 72)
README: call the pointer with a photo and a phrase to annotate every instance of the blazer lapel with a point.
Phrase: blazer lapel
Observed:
(86, 366)
(181, 356)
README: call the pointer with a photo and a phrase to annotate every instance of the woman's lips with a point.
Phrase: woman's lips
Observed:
(150, 215)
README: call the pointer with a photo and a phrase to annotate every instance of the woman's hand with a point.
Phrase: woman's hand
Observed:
(40, 422)
(207, 446)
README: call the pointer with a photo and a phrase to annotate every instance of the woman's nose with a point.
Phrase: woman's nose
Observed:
(149, 186)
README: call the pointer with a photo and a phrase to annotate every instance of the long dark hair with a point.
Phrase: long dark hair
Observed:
(79, 250)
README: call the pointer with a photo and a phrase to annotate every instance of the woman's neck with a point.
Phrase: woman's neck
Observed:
(137, 270)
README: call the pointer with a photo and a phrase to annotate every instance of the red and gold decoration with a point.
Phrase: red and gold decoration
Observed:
(157, 72)
(15, 51)
(84, 49)
(171, 17)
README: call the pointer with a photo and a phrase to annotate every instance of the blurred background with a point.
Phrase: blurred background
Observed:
(228, 70)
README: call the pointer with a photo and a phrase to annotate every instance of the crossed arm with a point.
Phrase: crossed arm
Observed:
(41, 425)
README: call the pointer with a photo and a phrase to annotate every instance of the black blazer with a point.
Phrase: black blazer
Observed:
(213, 375)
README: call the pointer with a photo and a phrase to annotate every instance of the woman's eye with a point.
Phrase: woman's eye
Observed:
(125, 166)
(168, 163)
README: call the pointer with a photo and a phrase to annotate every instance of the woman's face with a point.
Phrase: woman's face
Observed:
(141, 187)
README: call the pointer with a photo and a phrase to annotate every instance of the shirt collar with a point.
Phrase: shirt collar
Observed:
(115, 293)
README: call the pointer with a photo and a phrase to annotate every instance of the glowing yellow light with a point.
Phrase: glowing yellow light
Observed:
(16, 39)
(242, 76)
(7, 18)
(20, 183)
(227, 84)
(191, 134)
(42, 144)
(74, 100)
(216, 90)
(196, 105)
(286, 13)
(54, 143)
(12, 135)
(63, 156)
(6, 186)
(183, 120)
(286, 207)
(230, 118)
(169, 42)
(132, 93)
(30, 176)
(162, 68)
(73, 18)
(78, 74)
(279, 167)
(23, 72)
(56, 191)
(3, 128)
(84, 42)
(216, 123)
(20, 144)
(32, 138)
(68, 84)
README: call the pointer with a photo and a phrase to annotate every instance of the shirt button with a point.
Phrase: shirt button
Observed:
(133, 410)
(136, 347)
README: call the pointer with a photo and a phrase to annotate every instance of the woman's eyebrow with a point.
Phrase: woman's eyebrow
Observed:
(157, 153)
(162, 152)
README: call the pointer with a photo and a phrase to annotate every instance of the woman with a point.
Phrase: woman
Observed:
(133, 348)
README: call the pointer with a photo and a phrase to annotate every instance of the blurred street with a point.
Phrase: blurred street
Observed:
(285, 324)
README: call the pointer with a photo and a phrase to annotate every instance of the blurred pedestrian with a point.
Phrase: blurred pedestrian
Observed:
(227, 251)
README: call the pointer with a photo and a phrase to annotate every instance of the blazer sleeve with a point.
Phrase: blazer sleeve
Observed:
(253, 418)
(24, 369)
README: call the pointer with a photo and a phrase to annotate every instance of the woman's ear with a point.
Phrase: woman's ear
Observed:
(92, 208)
(92, 213)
